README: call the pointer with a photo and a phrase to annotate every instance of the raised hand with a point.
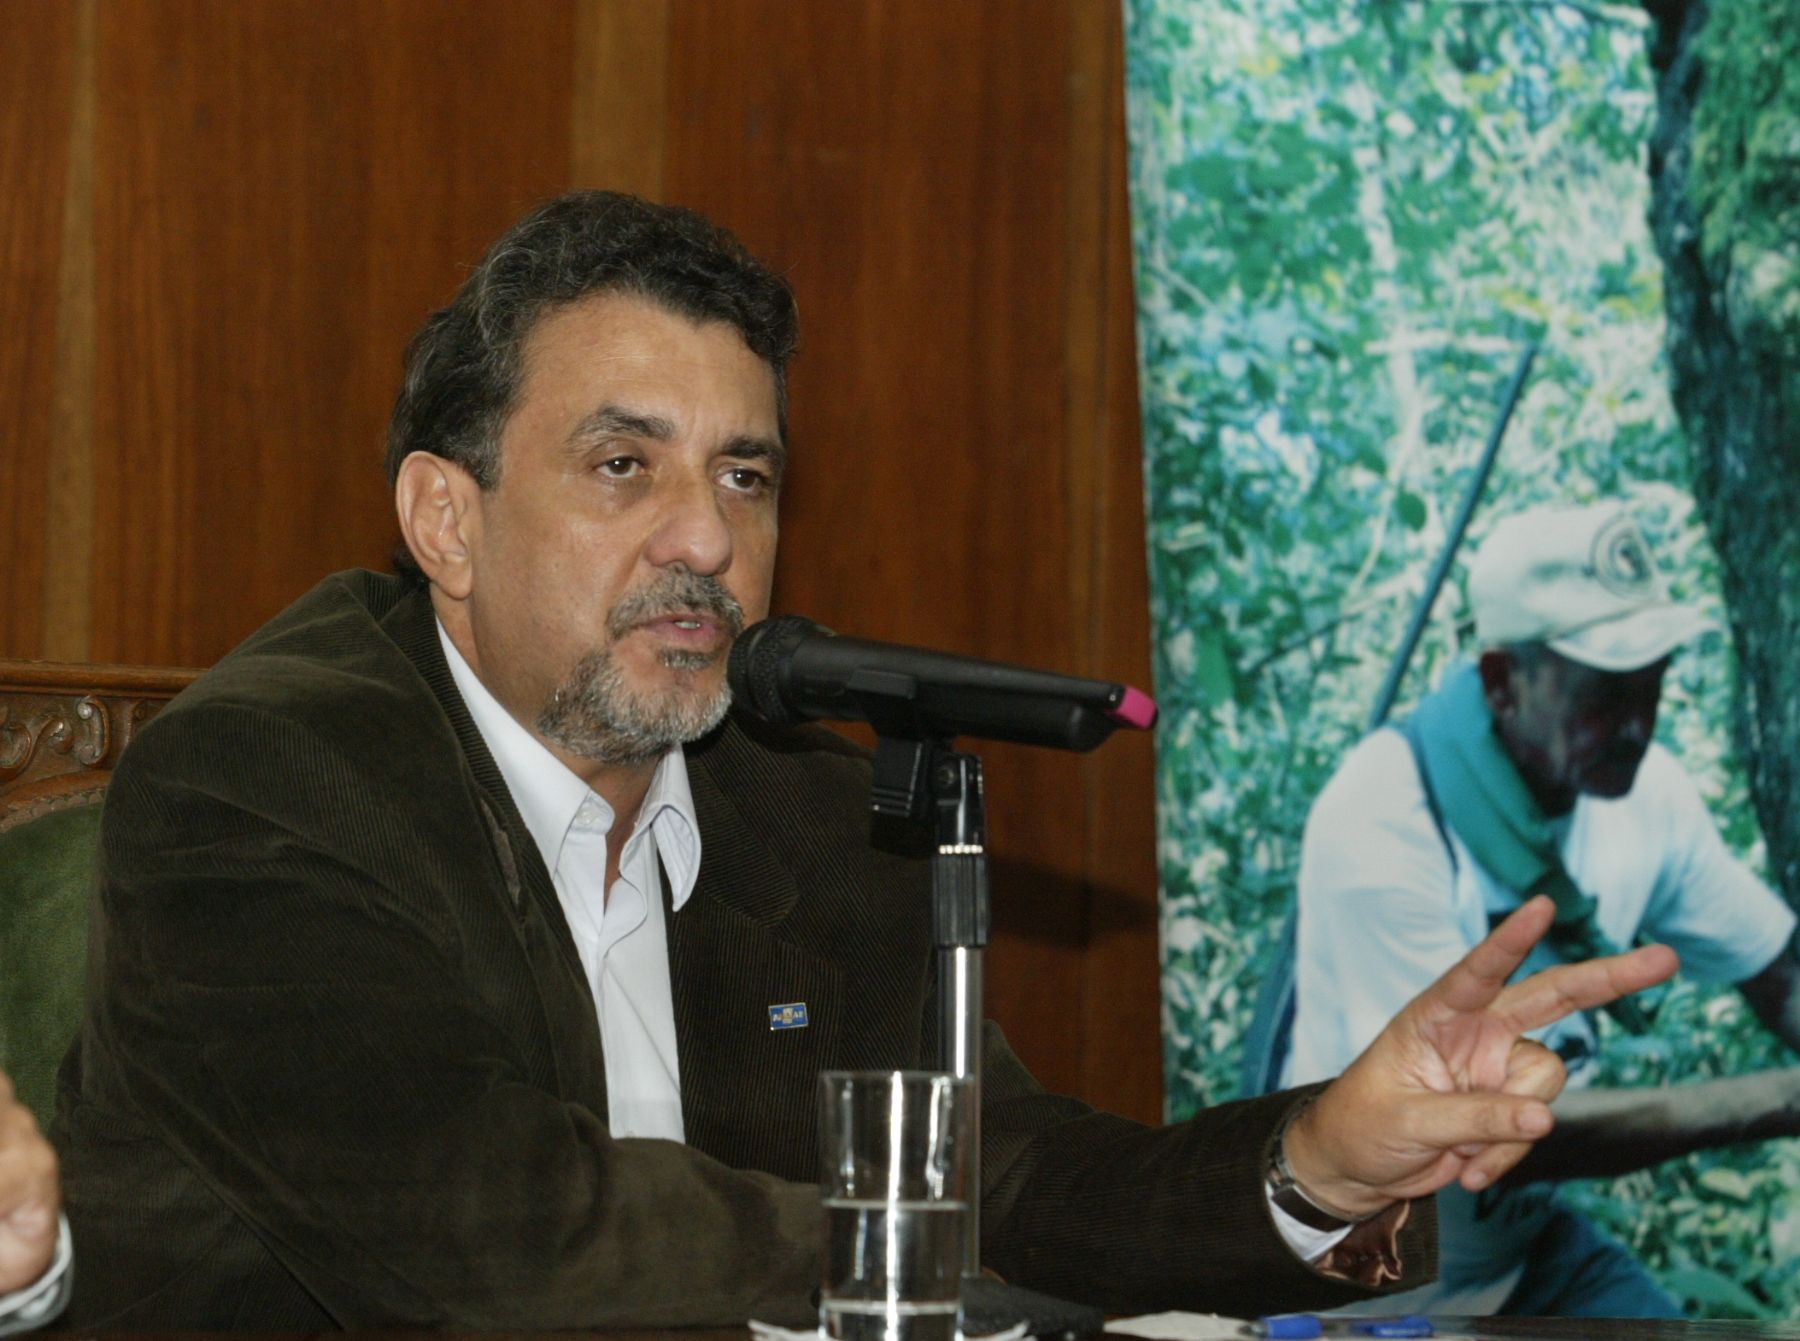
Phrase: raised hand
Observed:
(29, 1195)
(1451, 1091)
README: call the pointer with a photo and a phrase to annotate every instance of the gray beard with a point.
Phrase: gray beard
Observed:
(594, 714)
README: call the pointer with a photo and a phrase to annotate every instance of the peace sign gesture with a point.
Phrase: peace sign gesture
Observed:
(1451, 1091)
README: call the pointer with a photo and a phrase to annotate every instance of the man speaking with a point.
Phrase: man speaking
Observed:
(438, 927)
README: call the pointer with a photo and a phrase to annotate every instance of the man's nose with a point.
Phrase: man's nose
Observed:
(691, 529)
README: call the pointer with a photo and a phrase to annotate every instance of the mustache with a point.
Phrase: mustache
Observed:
(676, 592)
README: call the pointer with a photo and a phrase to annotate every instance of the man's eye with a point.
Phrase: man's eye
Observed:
(620, 467)
(746, 479)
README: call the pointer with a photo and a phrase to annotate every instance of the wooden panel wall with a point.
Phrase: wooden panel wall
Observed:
(220, 222)
(36, 98)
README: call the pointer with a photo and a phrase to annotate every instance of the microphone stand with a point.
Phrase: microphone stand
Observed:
(926, 781)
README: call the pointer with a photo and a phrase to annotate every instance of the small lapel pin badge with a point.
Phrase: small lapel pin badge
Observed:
(790, 1016)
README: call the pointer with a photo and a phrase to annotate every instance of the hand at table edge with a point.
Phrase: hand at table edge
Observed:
(30, 1195)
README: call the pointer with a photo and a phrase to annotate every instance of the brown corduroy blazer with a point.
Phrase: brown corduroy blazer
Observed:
(340, 1064)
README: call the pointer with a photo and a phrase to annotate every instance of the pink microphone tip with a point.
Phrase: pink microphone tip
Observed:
(1136, 710)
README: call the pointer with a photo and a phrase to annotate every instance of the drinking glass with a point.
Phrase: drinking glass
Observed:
(893, 1177)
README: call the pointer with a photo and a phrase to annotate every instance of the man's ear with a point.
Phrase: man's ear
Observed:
(1496, 666)
(439, 506)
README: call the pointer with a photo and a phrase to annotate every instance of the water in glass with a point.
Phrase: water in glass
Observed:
(893, 1270)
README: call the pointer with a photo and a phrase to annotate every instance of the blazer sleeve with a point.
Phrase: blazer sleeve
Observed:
(287, 989)
(1088, 1205)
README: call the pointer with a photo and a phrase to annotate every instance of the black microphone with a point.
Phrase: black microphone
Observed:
(790, 669)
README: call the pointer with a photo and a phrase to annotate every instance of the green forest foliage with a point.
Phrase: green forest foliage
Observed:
(1348, 219)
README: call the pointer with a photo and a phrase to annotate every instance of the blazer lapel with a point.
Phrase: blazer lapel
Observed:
(573, 1036)
(748, 1088)
(414, 630)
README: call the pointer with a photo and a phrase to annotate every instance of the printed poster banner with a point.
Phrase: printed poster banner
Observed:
(1348, 222)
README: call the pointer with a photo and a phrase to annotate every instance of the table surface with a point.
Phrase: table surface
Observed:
(1453, 1329)
(1613, 1329)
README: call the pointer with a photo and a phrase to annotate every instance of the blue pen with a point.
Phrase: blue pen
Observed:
(1304, 1326)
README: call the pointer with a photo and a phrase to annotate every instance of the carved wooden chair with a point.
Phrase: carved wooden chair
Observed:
(62, 729)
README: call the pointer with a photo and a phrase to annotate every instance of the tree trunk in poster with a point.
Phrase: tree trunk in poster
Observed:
(1725, 175)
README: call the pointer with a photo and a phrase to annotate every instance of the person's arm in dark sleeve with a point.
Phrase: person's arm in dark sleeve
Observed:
(1135, 1219)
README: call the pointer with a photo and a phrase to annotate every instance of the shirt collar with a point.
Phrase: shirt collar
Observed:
(549, 795)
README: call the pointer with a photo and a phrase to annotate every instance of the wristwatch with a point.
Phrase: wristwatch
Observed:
(1285, 1192)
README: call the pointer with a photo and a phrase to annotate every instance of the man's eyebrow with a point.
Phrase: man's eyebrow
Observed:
(616, 419)
(747, 448)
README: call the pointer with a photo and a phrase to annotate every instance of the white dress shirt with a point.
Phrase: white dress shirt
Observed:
(620, 934)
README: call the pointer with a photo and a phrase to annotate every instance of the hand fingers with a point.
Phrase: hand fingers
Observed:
(28, 1198)
(1548, 996)
(1492, 1164)
(27, 1163)
(1474, 1121)
(1472, 1139)
(1532, 1072)
(1478, 978)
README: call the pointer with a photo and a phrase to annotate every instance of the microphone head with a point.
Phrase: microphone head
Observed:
(753, 669)
(1135, 709)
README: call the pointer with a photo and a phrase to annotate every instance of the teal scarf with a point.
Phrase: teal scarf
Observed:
(1483, 798)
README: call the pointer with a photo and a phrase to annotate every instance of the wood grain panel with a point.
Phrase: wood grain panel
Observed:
(37, 61)
(69, 507)
(285, 188)
(619, 131)
(930, 187)
(1121, 965)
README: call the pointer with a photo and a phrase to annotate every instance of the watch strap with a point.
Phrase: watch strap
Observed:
(1286, 1193)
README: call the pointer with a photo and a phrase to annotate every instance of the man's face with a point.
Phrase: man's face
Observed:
(1573, 730)
(631, 532)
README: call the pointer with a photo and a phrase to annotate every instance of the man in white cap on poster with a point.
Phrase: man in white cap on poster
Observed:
(1533, 771)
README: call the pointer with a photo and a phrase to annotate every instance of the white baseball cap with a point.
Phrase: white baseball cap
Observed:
(1582, 581)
